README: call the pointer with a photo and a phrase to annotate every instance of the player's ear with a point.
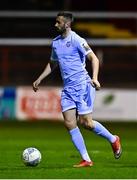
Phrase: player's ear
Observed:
(67, 24)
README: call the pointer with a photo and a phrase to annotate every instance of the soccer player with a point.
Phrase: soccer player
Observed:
(70, 51)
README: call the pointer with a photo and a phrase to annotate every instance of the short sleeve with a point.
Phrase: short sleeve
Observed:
(83, 46)
(53, 56)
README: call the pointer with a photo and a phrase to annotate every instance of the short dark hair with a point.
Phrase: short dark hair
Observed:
(67, 15)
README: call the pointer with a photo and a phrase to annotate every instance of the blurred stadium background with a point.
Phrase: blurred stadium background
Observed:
(27, 28)
(26, 31)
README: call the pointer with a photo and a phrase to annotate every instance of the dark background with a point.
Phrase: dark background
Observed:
(20, 65)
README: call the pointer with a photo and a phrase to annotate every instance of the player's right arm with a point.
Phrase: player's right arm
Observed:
(48, 69)
(44, 74)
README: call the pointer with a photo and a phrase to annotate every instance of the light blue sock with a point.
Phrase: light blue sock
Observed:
(100, 130)
(78, 141)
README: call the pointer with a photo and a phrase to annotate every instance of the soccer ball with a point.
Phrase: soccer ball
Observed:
(31, 156)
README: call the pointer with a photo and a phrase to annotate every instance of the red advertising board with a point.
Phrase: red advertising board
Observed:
(44, 104)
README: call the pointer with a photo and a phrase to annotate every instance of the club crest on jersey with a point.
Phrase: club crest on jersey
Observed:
(68, 44)
(86, 46)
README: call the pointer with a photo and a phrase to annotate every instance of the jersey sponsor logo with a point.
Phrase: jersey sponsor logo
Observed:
(86, 46)
(68, 44)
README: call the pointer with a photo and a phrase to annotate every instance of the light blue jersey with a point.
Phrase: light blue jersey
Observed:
(70, 52)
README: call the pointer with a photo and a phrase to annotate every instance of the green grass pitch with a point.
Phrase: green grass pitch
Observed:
(59, 154)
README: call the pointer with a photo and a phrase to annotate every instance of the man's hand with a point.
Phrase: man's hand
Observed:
(36, 84)
(95, 84)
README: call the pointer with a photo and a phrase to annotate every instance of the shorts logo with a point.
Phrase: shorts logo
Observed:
(68, 44)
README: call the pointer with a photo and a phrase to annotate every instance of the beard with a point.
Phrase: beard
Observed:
(61, 30)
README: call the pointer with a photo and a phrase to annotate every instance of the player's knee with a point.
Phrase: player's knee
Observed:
(86, 123)
(69, 124)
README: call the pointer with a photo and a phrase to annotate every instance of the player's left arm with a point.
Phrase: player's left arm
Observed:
(95, 69)
(85, 49)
